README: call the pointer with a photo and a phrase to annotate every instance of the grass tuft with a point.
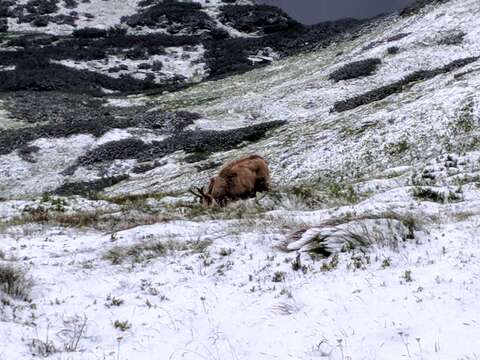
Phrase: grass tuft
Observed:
(151, 250)
(15, 282)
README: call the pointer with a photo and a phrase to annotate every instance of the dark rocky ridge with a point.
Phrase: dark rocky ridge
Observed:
(397, 87)
(88, 188)
(418, 5)
(202, 142)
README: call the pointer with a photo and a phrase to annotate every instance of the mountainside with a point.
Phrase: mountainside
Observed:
(367, 246)
(101, 46)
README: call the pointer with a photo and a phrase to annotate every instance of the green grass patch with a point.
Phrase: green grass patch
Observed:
(146, 251)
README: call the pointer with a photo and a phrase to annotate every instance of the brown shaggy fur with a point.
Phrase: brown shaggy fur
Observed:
(239, 179)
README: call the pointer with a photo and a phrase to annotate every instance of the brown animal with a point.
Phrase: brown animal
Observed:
(239, 179)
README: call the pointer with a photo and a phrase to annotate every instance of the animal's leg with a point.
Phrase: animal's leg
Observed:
(261, 184)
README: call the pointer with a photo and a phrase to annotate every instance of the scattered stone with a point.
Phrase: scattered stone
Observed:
(454, 38)
(393, 50)
(26, 153)
(157, 66)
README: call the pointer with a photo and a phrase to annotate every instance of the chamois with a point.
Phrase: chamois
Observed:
(239, 179)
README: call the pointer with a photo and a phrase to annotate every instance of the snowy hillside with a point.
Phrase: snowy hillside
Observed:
(105, 46)
(367, 247)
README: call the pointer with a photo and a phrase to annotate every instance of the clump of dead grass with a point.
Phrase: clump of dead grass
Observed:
(14, 281)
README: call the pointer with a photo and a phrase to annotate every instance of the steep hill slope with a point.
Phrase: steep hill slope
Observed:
(129, 46)
(365, 249)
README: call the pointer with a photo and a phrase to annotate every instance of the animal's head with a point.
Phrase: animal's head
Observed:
(215, 193)
(207, 199)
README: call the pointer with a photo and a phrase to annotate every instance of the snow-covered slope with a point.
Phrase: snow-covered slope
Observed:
(366, 248)
(105, 46)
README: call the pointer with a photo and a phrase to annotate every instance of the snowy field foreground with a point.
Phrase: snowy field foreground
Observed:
(368, 247)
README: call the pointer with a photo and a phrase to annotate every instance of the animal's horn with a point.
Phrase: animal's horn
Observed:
(195, 194)
(200, 190)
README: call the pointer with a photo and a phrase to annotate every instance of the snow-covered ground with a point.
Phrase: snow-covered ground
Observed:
(392, 188)
(175, 62)
(101, 14)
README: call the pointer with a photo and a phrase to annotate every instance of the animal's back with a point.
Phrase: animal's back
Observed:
(254, 163)
(249, 174)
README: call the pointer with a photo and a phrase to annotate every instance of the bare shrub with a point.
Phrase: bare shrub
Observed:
(15, 282)
(42, 347)
(74, 329)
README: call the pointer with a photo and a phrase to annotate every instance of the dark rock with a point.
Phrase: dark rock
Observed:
(392, 50)
(145, 3)
(120, 149)
(144, 66)
(157, 66)
(136, 53)
(144, 167)
(165, 121)
(41, 21)
(5, 8)
(70, 4)
(118, 68)
(42, 7)
(116, 31)
(64, 19)
(172, 15)
(355, 70)
(257, 18)
(3, 25)
(419, 5)
(89, 33)
(397, 37)
(89, 188)
(454, 38)
(26, 153)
